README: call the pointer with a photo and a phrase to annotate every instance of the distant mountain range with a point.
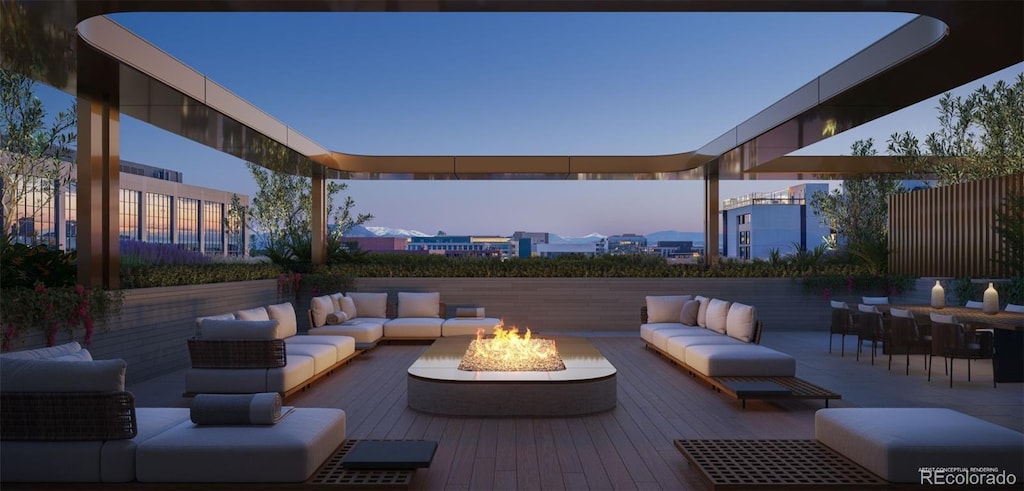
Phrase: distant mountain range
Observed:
(652, 238)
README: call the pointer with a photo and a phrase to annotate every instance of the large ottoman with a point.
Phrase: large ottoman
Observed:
(289, 451)
(746, 360)
(460, 326)
(922, 445)
(676, 345)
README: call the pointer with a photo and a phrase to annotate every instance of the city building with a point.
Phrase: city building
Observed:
(461, 245)
(379, 244)
(627, 244)
(555, 250)
(523, 244)
(155, 206)
(673, 248)
(755, 224)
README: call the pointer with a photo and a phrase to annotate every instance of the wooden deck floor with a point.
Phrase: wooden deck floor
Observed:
(631, 446)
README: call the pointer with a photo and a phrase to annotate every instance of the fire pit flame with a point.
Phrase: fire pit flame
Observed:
(507, 351)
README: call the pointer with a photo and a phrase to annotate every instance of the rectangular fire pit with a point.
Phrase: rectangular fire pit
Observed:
(587, 384)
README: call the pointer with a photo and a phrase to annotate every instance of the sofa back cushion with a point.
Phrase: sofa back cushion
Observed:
(199, 321)
(284, 314)
(369, 304)
(320, 307)
(348, 307)
(665, 308)
(336, 298)
(689, 313)
(741, 322)
(702, 312)
(27, 375)
(419, 304)
(44, 353)
(218, 329)
(717, 315)
(256, 314)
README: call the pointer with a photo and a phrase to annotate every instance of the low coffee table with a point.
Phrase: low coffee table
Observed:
(389, 454)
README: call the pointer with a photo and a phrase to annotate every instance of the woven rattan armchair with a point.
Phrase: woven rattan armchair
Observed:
(906, 337)
(842, 324)
(951, 340)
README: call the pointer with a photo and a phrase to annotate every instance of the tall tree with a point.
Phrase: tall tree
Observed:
(281, 212)
(32, 154)
(859, 211)
(979, 136)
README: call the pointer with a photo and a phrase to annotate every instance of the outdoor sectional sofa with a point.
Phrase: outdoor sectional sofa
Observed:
(369, 318)
(258, 350)
(718, 341)
(67, 418)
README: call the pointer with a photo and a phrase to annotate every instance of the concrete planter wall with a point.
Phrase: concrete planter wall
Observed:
(151, 331)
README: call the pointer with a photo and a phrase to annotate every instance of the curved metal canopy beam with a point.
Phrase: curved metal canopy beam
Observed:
(953, 42)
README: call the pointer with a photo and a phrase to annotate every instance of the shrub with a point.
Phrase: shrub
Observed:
(24, 266)
(138, 253)
(50, 309)
(146, 276)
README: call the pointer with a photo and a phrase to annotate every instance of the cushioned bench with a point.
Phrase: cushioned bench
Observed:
(463, 326)
(732, 360)
(899, 444)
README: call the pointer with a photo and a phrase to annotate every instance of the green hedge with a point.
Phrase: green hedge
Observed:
(195, 274)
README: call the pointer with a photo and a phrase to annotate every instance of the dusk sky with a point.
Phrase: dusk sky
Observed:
(511, 84)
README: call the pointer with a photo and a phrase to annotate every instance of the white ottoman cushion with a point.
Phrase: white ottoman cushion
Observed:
(732, 360)
(360, 332)
(676, 345)
(289, 451)
(413, 327)
(896, 442)
(659, 339)
(117, 458)
(464, 326)
(646, 330)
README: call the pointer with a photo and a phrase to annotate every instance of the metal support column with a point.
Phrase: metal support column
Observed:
(318, 218)
(711, 215)
(98, 188)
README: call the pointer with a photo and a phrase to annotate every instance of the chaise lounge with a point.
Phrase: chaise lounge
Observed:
(67, 418)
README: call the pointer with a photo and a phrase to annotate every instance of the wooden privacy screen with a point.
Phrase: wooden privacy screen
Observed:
(949, 231)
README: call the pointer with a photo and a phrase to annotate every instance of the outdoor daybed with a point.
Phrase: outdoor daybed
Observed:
(258, 350)
(369, 318)
(870, 448)
(718, 341)
(67, 418)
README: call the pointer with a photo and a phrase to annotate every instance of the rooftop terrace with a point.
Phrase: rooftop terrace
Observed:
(629, 447)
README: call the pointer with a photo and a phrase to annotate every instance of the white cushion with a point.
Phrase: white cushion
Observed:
(320, 307)
(336, 298)
(463, 326)
(369, 304)
(284, 313)
(875, 300)
(297, 370)
(702, 313)
(289, 451)
(348, 306)
(80, 355)
(256, 314)
(44, 353)
(942, 318)
(839, 305)
(324, 356)
(741, 322)
(117, 457)
(901, 313)
(360, 332)
(659, 339)
(413, 327)
(27, 375)
(665, 308)
(676, 345)
(895, 443)
(739, 360)
(1014, 308)
(717, 315)
(647, 330)
(343, 345)
(238, 329)
(222, 317)
(419, 304)
(870, 308)
(974, 304)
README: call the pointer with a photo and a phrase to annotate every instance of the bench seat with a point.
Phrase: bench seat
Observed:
(725, 360)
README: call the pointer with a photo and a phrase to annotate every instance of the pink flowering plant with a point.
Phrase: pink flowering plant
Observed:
(51, 309)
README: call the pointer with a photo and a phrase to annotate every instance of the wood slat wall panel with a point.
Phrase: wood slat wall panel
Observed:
(949, 231)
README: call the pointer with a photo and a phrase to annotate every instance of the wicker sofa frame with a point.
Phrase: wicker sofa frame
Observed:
(62, 416)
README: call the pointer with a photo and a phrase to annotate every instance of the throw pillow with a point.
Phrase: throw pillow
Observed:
(419, 304)
(199, 321)
(702, 314)
(665, 308)
(320, 307)
(741, 322)
(284, 314)
(335, 318)
(717, 315)
(370, 304)
(347, 306)
(688, 315)
(257, 314)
